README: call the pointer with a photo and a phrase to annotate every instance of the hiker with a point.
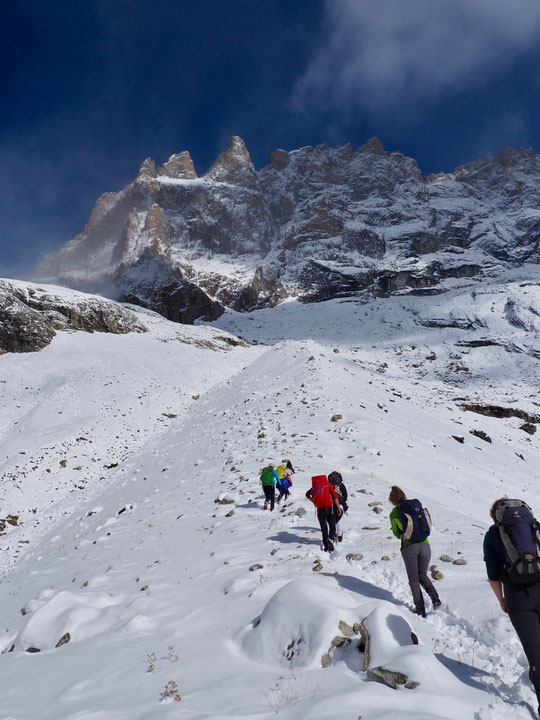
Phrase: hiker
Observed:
(341, 492)
(411, 523)
(268, 478)
(285, 482)
(512, 557)
(323, 496)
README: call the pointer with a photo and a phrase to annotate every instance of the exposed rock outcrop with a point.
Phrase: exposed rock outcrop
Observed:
(30, 316)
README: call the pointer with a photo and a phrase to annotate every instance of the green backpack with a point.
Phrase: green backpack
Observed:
(267, 476)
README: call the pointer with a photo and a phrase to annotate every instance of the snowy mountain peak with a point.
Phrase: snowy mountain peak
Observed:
(316, 223)
(234, 165)
(179, 166)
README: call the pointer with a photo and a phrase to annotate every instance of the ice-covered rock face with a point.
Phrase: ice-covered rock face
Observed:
(316, 222)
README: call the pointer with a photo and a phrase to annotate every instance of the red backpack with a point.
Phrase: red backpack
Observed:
(321, 493)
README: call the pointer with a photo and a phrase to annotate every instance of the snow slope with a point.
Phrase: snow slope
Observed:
(180, 606)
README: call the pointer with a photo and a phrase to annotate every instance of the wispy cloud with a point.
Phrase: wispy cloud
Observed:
(382, 54)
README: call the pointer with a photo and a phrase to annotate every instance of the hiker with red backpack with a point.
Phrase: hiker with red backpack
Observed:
(323, 496)
(341, 492)
(411, 523)
(512, 557)
(268, 478)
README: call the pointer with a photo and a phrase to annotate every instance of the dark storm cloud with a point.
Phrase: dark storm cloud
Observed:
(382, 54)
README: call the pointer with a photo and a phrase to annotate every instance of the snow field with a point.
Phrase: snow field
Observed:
(151, 577)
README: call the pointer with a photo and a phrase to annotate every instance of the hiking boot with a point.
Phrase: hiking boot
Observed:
(419, 611)
(436, 604)
(330, 547)
(340, 538)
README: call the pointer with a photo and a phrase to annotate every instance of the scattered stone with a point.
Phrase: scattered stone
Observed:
(377, 509)
(459, 561)
(144, 587)
(338, 641)
(363, 491)
(300, 512)
(336, 350)
(169, 415)
(326, 661)
(481, 434)
(446, 558)
(274, 551)
(336, 417)
(414, 638)
(354, 556)
(387, 677)
(63, 640)
(374, 503)
(385, 557)
(345, 629)
(33, 650)
(230, 513)
(528, 427)
(437, 575)
(317, 567)
(459, 439)
(369, 527)
(256, 566)
(411, 685)
(12, 520)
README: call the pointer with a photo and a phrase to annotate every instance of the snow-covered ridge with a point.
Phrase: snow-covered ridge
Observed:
(315, 223)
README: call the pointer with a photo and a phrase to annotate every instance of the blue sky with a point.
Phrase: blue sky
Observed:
(90, 89)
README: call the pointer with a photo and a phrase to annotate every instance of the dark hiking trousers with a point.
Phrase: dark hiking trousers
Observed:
(282, 493)
(416, 557)
(523, 605)
(269, 494)
(327, 521)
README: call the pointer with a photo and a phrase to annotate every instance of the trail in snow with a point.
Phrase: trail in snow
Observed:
(151, 577)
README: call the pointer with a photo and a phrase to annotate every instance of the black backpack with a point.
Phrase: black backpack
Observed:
(415, 521)
(520, 537)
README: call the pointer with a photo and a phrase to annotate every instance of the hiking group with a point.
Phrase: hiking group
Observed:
(280, 478)
(511, 550)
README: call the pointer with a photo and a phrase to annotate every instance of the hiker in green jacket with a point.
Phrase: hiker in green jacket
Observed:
(416, 552)
(269, 477)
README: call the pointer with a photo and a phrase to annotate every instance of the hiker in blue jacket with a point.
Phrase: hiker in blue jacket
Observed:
(517, 597)
(415, 549)
(269, 478)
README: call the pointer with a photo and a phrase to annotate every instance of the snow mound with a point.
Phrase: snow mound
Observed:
(297, 624)
(391, 647)
(83, 616)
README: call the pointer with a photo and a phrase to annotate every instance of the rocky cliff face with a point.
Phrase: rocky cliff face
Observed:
(316, 222)
(30, 316)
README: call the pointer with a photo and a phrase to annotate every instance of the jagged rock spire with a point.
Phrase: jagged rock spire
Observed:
(179, 166)
(234, 162)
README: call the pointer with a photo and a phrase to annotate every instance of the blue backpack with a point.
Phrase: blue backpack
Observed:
(415, 521)
(521, 541)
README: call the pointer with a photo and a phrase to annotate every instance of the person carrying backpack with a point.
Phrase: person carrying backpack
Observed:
(411, 523)
(268, 478)
(512, 557)
(284, 484)
(323, 496)
(341, 492)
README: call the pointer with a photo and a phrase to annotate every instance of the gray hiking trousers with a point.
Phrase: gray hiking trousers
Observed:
(416, 557)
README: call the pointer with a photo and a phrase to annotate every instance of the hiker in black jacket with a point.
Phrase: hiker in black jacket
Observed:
(342, 495)
(520, 600)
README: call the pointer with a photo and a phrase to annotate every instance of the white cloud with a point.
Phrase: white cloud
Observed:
(378, 54)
